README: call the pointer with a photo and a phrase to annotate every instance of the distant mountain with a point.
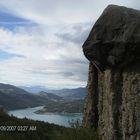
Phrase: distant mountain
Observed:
(12, 97)
(77, 93)
(6, 88)
(50, 96)
(34, 89)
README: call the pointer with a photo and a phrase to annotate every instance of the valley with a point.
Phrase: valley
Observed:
(12, 98)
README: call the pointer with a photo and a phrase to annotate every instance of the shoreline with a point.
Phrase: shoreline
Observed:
(57, 113)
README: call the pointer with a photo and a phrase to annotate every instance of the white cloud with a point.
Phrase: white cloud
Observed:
(49, 62)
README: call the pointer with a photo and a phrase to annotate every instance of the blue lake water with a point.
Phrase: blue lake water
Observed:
(60, 119)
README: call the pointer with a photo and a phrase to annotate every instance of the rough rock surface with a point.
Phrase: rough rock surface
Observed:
(113, 99)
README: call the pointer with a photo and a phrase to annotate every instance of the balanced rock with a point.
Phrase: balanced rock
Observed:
(115, 38)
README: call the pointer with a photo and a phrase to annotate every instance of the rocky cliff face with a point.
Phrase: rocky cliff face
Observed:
(113, 99)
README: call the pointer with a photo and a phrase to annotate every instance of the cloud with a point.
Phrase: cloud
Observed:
(47, 59)
(76, 34)
(48, 34)
(5, 55)
(62, 11)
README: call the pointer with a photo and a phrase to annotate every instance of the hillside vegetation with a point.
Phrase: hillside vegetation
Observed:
(40, 130)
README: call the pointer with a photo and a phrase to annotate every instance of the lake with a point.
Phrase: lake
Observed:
(60, 119)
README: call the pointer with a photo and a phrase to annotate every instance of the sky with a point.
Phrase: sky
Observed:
(41, 40)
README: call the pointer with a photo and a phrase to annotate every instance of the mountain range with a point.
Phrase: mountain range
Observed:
(76, 93)
(12, 97)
